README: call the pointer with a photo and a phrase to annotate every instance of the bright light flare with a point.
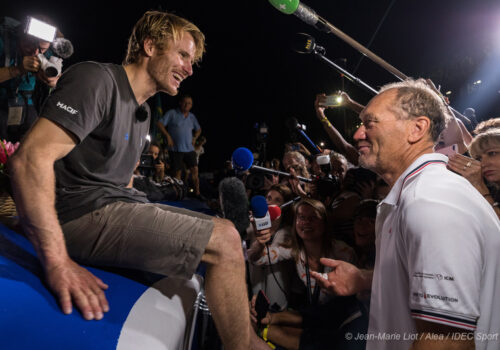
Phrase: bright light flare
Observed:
(40, 29)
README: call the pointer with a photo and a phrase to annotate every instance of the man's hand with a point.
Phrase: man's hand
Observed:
(160, 170)
(31, 64)
(345, 279)
(170, 142)
(275, 179)
(69, 281)
(295, 184)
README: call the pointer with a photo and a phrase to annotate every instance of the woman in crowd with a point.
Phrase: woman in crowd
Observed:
(483, 169)
(295, 163)
(322, 317)
(274, 280)
(310, 240)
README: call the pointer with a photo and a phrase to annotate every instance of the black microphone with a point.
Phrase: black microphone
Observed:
(62, 47)
(304, 43)
(234, 203)
(141, 113)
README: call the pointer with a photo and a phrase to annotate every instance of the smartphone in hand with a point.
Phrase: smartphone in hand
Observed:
(261, 305)
(334, 100)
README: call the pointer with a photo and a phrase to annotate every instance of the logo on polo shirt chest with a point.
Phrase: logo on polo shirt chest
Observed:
(432, 276)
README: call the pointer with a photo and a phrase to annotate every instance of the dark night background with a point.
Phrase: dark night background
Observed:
(250, 74)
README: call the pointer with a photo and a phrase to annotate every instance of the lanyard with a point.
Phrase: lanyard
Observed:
(314, 297)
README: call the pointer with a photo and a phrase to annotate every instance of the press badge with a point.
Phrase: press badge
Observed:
(15, 115)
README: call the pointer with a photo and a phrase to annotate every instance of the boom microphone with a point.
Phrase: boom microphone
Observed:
(242, 160)
(234, 203)
(296, 199)
(302, 11)
(62, 47)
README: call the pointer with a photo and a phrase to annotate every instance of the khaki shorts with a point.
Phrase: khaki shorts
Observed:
(151, 237)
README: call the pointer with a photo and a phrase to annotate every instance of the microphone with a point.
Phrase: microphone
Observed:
(274, 212)
(234, 203)
(284, 205)
(141, 113)
(62, 47)
(294, 125)
(242, 160)
(302, 11)
(304, 43)
(262, 213)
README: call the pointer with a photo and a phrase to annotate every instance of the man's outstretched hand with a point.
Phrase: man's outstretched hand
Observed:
(72, 283)
(344, 279)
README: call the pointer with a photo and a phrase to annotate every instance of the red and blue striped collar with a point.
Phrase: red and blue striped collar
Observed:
(414, 169)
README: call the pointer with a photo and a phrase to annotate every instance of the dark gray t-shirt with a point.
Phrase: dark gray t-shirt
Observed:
(95, 102)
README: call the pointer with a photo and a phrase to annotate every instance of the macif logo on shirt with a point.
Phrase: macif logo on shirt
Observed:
(67, 108)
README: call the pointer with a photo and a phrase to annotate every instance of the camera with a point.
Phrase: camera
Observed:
(147, 164)
(326, 186)
(52, 66)
(147, 161)
(294, 129)
(255, 181)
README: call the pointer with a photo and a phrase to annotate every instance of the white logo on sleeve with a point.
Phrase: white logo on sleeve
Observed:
(67, 108)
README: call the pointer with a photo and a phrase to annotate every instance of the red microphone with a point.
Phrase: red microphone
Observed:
(274, 212)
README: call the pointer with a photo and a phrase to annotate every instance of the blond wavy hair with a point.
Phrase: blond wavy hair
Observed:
(483, 141)
(159, 27)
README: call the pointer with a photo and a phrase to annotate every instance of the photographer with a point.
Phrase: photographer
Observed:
(23, 84)
(149, 177)
(159, 165)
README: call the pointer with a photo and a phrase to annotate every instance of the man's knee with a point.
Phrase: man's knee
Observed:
(224, 245)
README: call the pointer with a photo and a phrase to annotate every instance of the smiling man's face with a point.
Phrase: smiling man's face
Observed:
(170, 66)
(382, 136)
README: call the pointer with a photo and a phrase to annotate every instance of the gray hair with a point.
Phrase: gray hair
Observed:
(415, 98)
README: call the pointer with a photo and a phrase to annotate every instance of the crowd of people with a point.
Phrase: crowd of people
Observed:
(394, 234)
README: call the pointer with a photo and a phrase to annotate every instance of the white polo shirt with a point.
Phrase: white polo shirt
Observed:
(438, 258)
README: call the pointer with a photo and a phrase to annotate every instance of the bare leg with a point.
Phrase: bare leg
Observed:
(186, 176)
(225, 286)
(177, 174)
(196, 180)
